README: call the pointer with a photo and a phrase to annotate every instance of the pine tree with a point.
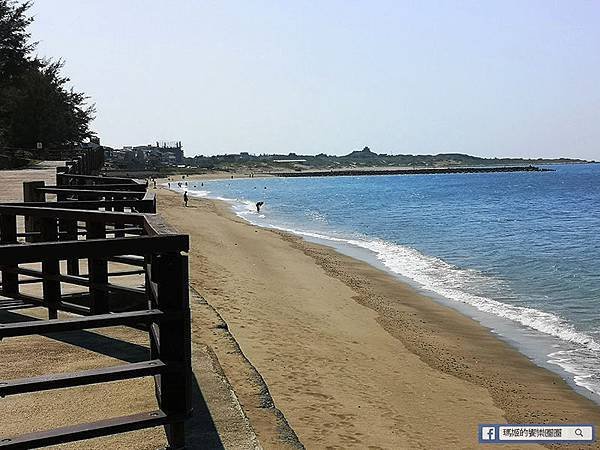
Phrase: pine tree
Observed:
(36, 104)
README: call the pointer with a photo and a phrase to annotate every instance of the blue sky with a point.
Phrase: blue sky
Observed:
(488, 78)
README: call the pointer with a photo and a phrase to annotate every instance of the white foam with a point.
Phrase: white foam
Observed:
(445, 279)
(198, 193)
(579, 363)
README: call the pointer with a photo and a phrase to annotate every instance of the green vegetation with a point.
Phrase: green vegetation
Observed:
(356, 159)
(36, 103)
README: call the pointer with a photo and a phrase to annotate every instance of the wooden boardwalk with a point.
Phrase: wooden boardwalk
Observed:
(75, 253)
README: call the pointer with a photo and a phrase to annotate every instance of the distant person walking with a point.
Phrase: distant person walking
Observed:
(258, 206)
(185, 198)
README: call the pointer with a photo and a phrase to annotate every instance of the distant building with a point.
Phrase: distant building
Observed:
(151, 156)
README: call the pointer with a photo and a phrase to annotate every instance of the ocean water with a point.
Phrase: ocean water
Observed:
(517, 251)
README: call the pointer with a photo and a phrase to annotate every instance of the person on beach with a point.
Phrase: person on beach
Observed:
(258, 206)
(185, 198)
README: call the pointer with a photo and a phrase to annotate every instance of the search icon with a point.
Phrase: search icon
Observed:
(578, 432)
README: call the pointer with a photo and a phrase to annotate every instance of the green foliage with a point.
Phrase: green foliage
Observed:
(357, 159)
(15, 47)
(36, 104)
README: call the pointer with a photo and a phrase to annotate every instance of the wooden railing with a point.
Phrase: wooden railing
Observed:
(80, 161)
(90, 246)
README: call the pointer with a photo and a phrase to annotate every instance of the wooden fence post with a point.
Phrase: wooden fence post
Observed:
(69, 229)
(51, 266)
(98, 271)
(32, 194)
(8, 235)
(119, 225)
(171, 272)
(60, 183)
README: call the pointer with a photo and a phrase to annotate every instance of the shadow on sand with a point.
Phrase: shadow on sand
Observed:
(201, 431)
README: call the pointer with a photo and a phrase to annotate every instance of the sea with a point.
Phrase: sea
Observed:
(519, 252)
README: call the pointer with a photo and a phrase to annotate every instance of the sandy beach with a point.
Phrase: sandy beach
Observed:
(352, 357)
(293, 345)
(299, 225)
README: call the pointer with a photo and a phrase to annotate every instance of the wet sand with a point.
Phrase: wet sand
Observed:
(352, 357)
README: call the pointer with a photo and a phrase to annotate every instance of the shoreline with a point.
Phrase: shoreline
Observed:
(515, 335)
(542, 348)
(447, 342)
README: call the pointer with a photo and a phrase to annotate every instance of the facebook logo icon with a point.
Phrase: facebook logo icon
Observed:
(487, 433)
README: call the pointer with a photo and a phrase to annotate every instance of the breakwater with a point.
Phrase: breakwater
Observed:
(415, 171)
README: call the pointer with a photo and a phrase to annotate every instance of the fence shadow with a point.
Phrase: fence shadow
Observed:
(100, 220)
(201, 431)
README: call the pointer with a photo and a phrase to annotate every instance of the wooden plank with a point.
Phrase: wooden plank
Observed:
(130, 260)
(79, 323)
(99, 179)
(139, 245)
(87, 430)
(9, 304)
(103, 187)
(92, 193)
(29, 299)
(82, 378)
(124, 273)
(140, 205)
(68, 213)
(73, 308)
(73, 279)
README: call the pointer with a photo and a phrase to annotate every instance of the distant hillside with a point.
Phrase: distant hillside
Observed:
(358, 158)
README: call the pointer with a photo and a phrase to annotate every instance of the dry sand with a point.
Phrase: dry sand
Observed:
(352, 357)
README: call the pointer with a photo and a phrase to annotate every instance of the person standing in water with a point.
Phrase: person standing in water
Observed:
(258, 205)
(185, 198)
